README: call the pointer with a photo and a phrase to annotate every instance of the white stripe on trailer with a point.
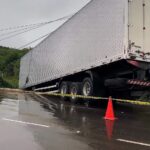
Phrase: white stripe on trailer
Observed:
(44, 88)
(55, 91)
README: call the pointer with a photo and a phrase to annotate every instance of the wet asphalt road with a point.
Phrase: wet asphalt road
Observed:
(30, 122)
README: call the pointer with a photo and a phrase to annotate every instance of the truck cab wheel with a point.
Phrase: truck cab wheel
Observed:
(75, 89)
(64, 89)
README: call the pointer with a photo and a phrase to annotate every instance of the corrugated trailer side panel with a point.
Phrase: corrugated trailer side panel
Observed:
(94, 36)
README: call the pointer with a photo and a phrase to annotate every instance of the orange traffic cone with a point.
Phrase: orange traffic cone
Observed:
(110, 111)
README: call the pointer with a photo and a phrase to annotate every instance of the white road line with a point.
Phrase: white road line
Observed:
(28, 123)
(12, 100)
(133, 142)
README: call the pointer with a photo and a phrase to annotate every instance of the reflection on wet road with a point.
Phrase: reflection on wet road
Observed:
(48, 123)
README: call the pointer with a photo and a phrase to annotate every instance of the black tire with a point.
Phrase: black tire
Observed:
(33, 89)
(87, 90)
(75, 89)
(87, 87)
(64, 89)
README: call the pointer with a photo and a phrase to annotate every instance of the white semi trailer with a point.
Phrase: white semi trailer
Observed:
(103, 49)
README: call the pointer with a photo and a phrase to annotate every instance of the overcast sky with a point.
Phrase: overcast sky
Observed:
(22, 12)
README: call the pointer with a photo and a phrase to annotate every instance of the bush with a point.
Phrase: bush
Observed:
(9, 66)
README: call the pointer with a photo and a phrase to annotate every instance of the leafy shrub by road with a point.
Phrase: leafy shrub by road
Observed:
(9, 66)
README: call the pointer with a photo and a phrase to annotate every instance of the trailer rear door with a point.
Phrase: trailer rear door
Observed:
(139, 26)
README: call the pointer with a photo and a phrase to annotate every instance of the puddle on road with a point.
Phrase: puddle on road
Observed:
(75, 122)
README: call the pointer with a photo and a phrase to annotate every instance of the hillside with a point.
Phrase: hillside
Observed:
(9, 66)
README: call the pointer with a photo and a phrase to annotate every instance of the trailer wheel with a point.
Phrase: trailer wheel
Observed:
(87, 90)
(75, 89)
(87, 87)
(64, 89)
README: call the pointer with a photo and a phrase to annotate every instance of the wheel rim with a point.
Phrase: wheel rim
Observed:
(63, 90)
(86, 89)
(73, 92)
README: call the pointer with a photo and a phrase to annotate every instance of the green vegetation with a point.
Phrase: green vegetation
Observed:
(9, 66)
